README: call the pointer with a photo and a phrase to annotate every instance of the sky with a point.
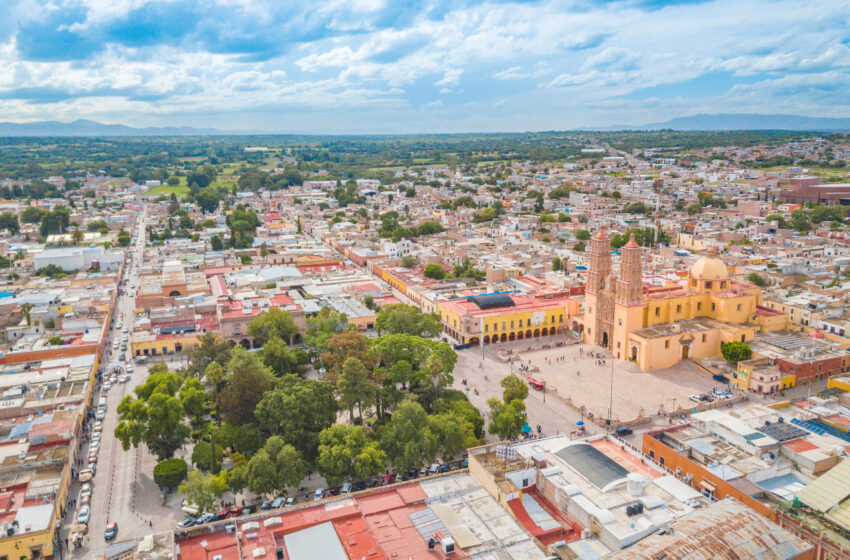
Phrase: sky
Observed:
(411, 66)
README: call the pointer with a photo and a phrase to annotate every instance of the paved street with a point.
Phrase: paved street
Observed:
(123, 489)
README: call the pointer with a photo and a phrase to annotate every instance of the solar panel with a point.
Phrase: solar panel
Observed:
(782, 432)
(592, 464)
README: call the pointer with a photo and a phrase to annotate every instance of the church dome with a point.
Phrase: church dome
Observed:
(710, 268)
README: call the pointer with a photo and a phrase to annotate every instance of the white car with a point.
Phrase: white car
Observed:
(125, 330)
(98, 426)
(83, 516)
(129, 368)
(107, 386)
(95, 437)
(94, 446)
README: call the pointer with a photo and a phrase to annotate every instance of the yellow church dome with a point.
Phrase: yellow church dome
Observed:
(709, 268)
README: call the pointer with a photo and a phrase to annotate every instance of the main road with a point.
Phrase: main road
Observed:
(122, 489)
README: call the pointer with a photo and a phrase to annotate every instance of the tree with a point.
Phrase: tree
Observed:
(170, 473)
(756, 279)
(249, 380)
(282, 359)
(346, 451)
(514, 389)
(457, 404)
(408, 438)
(323, 326)
(9, 222)
(583, 235)
(211, 348)
(297, 410)
(203, 490)
(97, 225)
(800, 221)
(25, 309)
(557, 264)
(506, 419)
(736, 351)
(55, 340)
(407, 319)
(354, 387)
(32, 215)
(408, 261)
(454, 433)
(276, 466)
(342, 346)
(77, 236)
(215, 243)
(580, 247)
(202, 456)
(193, 397)
(154, 416)
(434, 271)
(274, 322)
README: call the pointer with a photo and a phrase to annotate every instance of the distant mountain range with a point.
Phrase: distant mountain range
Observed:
(84, 127)
(743, 121)
(727, 121)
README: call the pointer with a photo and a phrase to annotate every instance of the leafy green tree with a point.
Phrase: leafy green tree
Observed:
(170, 473)
(216, 243)
(408, 438)
(97, 225)
(583, 235)
(408, 261)
(800, 221)
(346, 451)
(506, 419)
(434, 271)
(275, 322)
(342, 346)
(323, 326)
(9, 222)
(202, 456)
(694, 209)
(203, 490)
(276, 466)
(282, 359)
(249, 379)
(454, 433)
(756, 279)
(736, 351)
(193, 397)
(514, 388)
(580, 247)
(354, 387)
(211, 348)
(154, 416)
(781, 223)
(32, 215)
(246, 439)
(557, 264)
(297, 410)
(457, 404)
(407, 319)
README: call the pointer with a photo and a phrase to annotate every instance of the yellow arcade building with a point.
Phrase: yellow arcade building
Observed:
(657, 326)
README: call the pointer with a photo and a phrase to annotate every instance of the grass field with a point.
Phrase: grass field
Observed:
(167, 190)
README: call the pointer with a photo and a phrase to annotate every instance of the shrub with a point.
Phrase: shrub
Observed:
(170, 473)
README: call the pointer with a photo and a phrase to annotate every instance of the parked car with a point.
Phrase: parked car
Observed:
(623, 431)
(266, 505)
(346, 488)
(97, 426)
(101, 415)
(371, 483)
(85, 489)
(290, 501)
(205, 518)
(720, 378)
(247, 510)
(319, 494)
(236, 511)
(95, 437)
(84, 514)
(695, 398)
(130, 368)
(124, 379)
(359, 485)
(223, 513)
(188, 522)
(107, 386)
(435, 468)
(423, 471)
(121, 356)
(85, 500)
(278, 502)
(111, 531)
(94, 446)
(333, 491)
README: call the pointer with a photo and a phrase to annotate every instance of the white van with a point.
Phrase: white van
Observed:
(101, 404)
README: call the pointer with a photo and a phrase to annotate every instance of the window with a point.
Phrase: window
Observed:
(553, 319)
(703, 338)
(561, 318)
(520, 323)
(495, 327)
(723, 284)
(486, 328)
(699, 306)
(708, 284)
(712, 307)
(618, 344)
(666, 344)
(512, 324)
(739, 307)
(743, 338)
(621, 322)
(678, 309)
(503, 325)
(658, 312)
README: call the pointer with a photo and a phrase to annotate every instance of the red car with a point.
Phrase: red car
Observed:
(222, 514)
(334, 490)
(235, 511)
(388, 479)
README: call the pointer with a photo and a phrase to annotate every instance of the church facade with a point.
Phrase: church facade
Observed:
(658, 326)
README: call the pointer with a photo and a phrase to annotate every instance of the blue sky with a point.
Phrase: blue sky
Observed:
(419, 65)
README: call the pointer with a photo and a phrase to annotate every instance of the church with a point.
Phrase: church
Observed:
(656, 326)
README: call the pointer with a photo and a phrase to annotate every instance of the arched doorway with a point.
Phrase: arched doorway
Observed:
(605, 339)
(685, 351)
(544, 332)
(246, 344)
(174, 293)
(503, 338)
(519, 335)
(536, 333)
(486, 339)
(511, 337)
(634, 353)
(528, 333)
(473, 341)
(575, 326)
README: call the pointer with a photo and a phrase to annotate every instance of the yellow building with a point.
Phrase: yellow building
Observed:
(494, 318)
(657, 326)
